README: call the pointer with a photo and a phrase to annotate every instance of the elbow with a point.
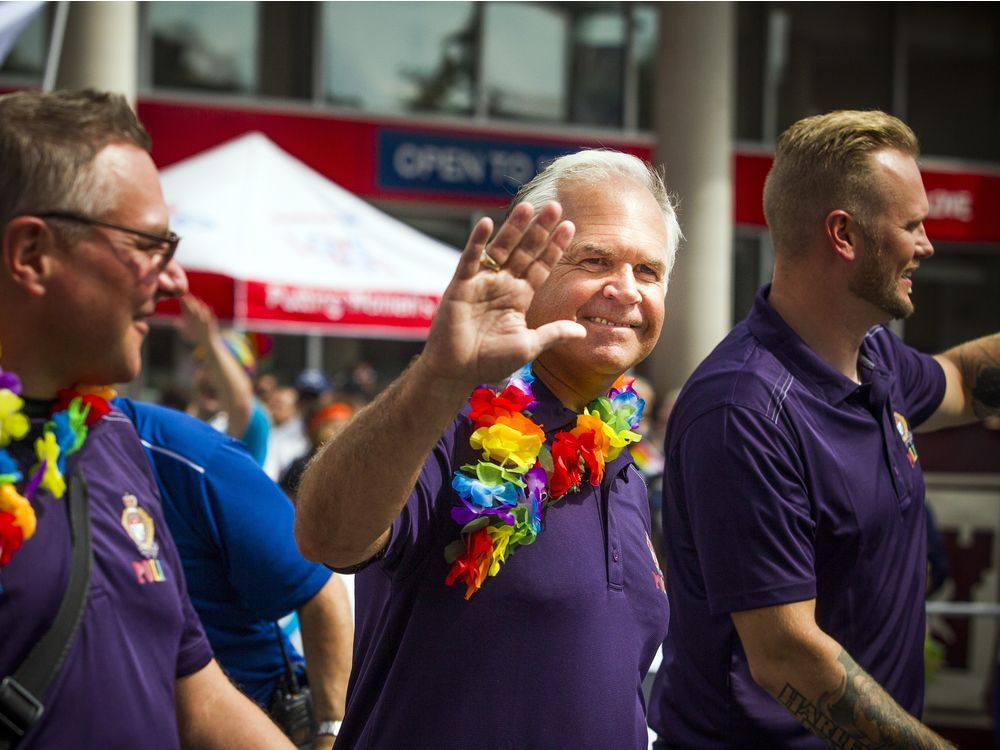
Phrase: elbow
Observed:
(318, 542)
(308, 540)
(767, 673)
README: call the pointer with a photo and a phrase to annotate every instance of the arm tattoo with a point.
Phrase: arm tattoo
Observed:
(859, 715)
(979, 363)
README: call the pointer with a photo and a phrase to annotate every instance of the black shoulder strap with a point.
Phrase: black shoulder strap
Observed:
(21, 693)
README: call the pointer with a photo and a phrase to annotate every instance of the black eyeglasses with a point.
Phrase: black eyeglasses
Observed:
(166, 244)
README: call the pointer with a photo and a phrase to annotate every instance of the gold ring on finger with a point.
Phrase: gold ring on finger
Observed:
(487, 260)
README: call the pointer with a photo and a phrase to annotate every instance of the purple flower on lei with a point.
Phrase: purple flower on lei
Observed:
(627, 405)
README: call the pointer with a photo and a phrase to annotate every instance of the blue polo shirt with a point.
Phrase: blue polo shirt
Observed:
(138, 634)
(550, 652)
(787, 481)
(233, 528)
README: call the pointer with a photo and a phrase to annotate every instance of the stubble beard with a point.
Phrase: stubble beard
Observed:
(877, 283)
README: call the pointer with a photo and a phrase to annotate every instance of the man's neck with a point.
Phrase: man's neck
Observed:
(823, 318)
(573, 395)
(37, 381)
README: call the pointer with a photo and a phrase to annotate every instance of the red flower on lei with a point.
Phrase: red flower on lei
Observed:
(11, 537)
(99, 406)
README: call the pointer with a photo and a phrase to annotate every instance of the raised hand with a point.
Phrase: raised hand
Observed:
(479, 333)
(198, 324)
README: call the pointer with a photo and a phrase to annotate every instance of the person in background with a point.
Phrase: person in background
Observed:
(264, 384)
(314, 391)
(87, 251)
(288, 439)
(223, 368)
(323, 426)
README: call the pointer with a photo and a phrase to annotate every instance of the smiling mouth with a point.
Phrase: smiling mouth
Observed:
(610, 323)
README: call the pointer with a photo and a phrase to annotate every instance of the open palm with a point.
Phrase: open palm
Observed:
(479, 334)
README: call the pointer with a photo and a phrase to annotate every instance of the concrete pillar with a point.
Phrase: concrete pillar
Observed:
(695, 112)
(100, 49)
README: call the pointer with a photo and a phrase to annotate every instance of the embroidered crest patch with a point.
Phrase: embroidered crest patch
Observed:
(658, 579)
(139, 526)
(907, 437)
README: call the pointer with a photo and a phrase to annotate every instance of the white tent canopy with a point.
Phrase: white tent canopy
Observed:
(273, 245)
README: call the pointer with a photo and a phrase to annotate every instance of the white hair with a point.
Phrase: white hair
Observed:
(596, 165)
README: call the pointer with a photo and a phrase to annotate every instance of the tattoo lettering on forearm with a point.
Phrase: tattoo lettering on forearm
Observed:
(979, 362)
(859, 715)
(809, 716)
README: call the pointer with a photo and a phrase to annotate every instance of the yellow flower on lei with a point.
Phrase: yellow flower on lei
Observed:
(13, 424)
(47, 450)
(11, 501)
(501, 538)
(513, 441)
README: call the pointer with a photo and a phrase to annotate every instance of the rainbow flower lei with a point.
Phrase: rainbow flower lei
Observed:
(503, 497)
(65, 433)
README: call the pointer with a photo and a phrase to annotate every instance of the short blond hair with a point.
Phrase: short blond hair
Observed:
(823, 163)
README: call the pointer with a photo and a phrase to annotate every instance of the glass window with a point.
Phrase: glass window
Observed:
(400, 57)
(645, 39)
(751, 22)
(204, 45)
(27, 55)
(598, 66)
(822, 61)
(525, 50)
(953, 78)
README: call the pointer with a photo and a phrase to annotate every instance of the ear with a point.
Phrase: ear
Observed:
(27, 243)
(842, 234)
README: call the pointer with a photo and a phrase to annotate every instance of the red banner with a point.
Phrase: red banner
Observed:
(378, 314)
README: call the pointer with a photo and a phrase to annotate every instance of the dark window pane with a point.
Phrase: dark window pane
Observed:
(27, 56)
(598, 67)
(524, 57)
(953, 75)
(645, 36)
(751, 24)
(831, 56)
(400, 57)
(204, 45)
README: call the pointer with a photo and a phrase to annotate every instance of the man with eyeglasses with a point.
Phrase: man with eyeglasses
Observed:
(86, 253)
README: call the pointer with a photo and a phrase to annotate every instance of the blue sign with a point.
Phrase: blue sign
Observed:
(486, 167)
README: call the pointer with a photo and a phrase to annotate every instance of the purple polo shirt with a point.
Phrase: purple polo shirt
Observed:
(786, 481)
(139, 632)
(550, 652)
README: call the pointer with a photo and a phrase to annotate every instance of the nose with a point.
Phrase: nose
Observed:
(622, 287)
(924, 247)
(172, 281)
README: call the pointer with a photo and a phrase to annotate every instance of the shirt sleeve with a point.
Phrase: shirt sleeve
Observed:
(414, 530)
(253, 522)
(736, 475)
(920, 378)
(257, 433)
